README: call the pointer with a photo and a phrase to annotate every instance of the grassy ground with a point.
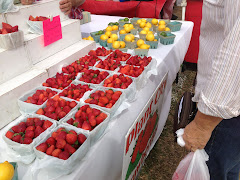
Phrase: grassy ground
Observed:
(166, 154)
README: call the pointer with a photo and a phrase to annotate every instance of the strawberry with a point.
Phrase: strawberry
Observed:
(96, 112)
(38, 131)
(27, 140)
(39, 123)
(47, 124)
(50, 150)
(15, 129)
(72, 132)
(69, 149)
(71, 138)
(29, 134)
(42, 147)
(9, 134)
(6, 26)
(40, 111)
(30, 122)
(4, 31)
(61, 135)
(86, 126)
(31, 18)
(51, 141)
(64, 155)
(56, 152)
(60, 143)
(72, 104)
(92, 120)
(21, 127)
(81, 138)
(54, 135)
(30, 128)
(15, 29)
(70, 121)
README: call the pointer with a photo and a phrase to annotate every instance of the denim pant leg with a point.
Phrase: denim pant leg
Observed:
(223, 149)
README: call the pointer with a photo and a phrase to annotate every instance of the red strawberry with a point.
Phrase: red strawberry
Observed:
(66, 109)
(62, 114)
(60, 143)
(6, 26)
(72, 132)
(69, 149)
(9, 134)
(54, 135)
(40, 111)
(15, 29)
(56, 152)
(70, 121)
(27, 140)
(96, 112)
(51, 141)
(42, 147)
(38, 131)
(86, 126)
(46, 124)
(39, 123)
(81, 138)
(4, 31)
(31, 18)
(71, 138)
(30, 122)
(22, 127)
(29, 134)
(61, 135)
(92, 120)
(15, 129)
(64, 155)
(30, 128)
(72, 104)
(50, 150)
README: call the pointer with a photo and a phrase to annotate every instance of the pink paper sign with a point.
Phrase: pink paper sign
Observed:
(52, 30)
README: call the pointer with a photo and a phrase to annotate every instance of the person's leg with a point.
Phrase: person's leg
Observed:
(223, 149)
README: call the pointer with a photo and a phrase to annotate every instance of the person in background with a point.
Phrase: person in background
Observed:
(216, 126)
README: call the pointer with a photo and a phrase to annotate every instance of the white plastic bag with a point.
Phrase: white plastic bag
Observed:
(193, 166)
(11, 40)
(7, 6)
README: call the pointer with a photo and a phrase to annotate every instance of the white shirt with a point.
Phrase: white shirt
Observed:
(218, 78)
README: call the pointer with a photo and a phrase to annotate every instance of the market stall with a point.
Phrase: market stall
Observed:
(104, 158)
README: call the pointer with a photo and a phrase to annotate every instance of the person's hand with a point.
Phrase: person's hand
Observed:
(27, 2)
(65, 6)
(198, 132)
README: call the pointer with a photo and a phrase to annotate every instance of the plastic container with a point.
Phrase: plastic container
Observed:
(58, 167)
(122, 49)
(122, 36)
(24, 152)
(35, 27)
(114, 108)
(121, 23)
(141, 52)
(15, 166)
(109, 45)
(168, 39)
(142, 36)
(11, 40)
(29, 107)
(134, 20)
(98, 130)
(174, 26)
(134, 31)
(103, 43)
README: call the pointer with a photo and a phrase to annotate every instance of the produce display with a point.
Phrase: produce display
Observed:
(25, 132)
(40, 96)
(75, 92)
(118, 81)
(88, 60)
(105, 98)
(7, 28)
(60, 81)
(87, 118)
(93, 76)
(62, 143)
(56, 108)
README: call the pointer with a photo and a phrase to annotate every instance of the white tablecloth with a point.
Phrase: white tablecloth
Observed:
(104, 160)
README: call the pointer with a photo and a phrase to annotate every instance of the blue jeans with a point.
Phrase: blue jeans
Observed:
(223, 149)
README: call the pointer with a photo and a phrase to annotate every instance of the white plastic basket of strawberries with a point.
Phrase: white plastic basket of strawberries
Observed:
(92, 76)
(124, 83)
(60, 151)
(24, 133)
(57, 107)
(10, 37)
(100, 52)
(106, 99)
(89, 118)
(34, 99)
